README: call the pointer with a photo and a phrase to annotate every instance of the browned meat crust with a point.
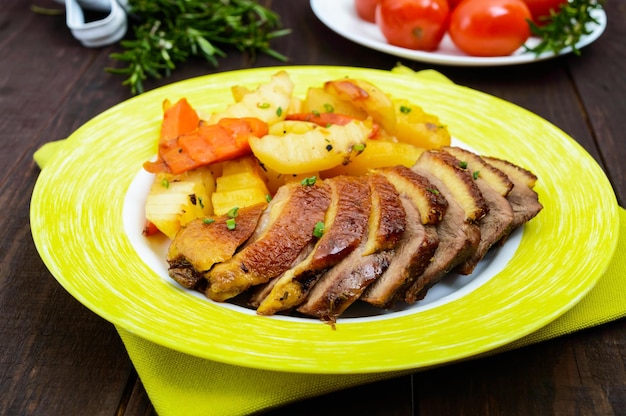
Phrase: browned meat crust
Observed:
(424, 195)
(387, 222)
(410, 258)
(497, 179)
(346, 222)
(275, 251)
(458, 239)
(523, 199)
(458, 179)
(390, 235)
(343, 284)
(201, 244)
(494, 185)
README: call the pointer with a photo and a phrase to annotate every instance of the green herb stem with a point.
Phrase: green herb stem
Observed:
(168, 32)
(564, 27)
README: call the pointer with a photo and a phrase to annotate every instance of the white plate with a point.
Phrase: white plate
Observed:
(340, 16)
(87, 215)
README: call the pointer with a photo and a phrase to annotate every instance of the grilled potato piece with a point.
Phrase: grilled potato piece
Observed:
(175, 200)
(268, 102)
(303, 147)
(417, 127)
(366, 96)
(242, 184)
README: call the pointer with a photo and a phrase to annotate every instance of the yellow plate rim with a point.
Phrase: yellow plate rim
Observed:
(76, 222)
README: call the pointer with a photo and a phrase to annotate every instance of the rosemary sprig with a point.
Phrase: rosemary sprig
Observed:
(168, 32)
(564, 27)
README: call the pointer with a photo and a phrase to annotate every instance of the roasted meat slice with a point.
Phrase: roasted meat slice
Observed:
(458, 239)
(458, 180)
(496, 178)
(200, 244)
(386, 222)
(494, 185)
(523, 199)
(290, 230)
(425, 196)
(493, 226)
(345, 225)
(410, 258)
(344, 283)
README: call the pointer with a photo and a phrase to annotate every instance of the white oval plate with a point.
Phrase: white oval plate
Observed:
(340, 16)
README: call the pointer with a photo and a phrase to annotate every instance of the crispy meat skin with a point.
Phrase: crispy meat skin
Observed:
(376, 246)
(277, 249)
(424, 195)
(459, 181)
(497, 179)
(494, 185)
(346, 231)
(199, 245)
(346, 222)
(410, 258)
(386, 223)
(343, 284)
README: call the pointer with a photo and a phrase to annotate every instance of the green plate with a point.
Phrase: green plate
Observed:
(86, 219)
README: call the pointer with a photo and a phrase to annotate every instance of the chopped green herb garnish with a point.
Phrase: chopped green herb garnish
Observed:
(463, 165)
(404, 109)
(475, 174)
(165, 183)
(309, 181)
(315, 113)
(208, 220)
(358, 147)
(268, 197)
(201, 202)
(318, 231)
(329, 108)
(233, 212)
(263, 105)
(231, 224)
(279, 111)
(433, 191)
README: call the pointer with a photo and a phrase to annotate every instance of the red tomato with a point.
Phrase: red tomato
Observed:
(489, 27)
(453, 3)
(413, 24)
(540, 9)
(366, 9)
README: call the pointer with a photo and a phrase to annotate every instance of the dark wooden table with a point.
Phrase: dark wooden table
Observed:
(59, 358)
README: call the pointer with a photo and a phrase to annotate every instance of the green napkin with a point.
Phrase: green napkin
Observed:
(180, 384)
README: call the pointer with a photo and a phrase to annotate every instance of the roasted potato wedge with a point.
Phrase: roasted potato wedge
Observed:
(367, 97)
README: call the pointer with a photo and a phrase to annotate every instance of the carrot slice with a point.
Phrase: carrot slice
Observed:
(207, 144)
(186, 143)
(178, 119)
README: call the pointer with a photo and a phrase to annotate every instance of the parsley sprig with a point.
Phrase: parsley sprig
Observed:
(564, 27)
(168, 32)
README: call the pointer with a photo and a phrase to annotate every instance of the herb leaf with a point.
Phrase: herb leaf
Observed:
(168, 32)
(564, 27)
